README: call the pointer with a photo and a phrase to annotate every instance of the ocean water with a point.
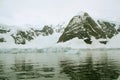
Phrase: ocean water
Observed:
(61, 65)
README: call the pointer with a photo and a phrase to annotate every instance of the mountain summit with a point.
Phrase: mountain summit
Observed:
(82, 31)
(85, 27)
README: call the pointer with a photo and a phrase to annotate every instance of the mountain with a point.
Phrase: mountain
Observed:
(26, 37)
(3, 30)
(22, 36)
(82, 31)
(84, 27)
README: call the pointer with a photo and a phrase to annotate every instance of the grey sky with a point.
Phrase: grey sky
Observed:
(55, 11)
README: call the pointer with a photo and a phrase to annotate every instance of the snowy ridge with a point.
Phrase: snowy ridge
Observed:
(81, 32)
(51, 41)
(74, 43)
(85, 28)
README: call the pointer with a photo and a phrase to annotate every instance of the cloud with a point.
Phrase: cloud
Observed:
(55, 11)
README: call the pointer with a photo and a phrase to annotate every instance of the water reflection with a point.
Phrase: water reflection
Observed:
(104, 69)
(24, 70)
(3, 75)
(88, 65)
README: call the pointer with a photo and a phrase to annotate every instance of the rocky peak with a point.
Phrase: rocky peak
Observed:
(85, 27)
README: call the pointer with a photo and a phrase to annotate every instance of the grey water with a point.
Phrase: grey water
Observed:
(66, 65)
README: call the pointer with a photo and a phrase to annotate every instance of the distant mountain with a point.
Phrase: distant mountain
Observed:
(3, 30)
(21, 36)
(85, 27)
(82, 31)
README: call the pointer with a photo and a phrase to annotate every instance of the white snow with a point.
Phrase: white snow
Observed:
(51, 41)
(38, 42)
(114, 42)
(43, 41)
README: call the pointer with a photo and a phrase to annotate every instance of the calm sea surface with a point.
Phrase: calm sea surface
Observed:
(71, 65)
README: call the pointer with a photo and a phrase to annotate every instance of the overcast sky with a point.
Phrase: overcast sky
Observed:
(55, 11)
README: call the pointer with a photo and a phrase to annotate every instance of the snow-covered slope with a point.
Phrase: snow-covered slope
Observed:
(38, 42)
(81, 32)
(30, 37)
(84, 29)
(114, 42)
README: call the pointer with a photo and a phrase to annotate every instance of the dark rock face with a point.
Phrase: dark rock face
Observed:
(81, 26)
(47, 30)
(118, 29)
(2, 40)
(21, 37)
(84, 27)
(103, 42)
(3, 31)
(108, 28)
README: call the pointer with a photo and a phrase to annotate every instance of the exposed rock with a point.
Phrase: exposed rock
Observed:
(47, 30)
(108, 28)
(2, 40)
(21, 37)
(84, 27)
